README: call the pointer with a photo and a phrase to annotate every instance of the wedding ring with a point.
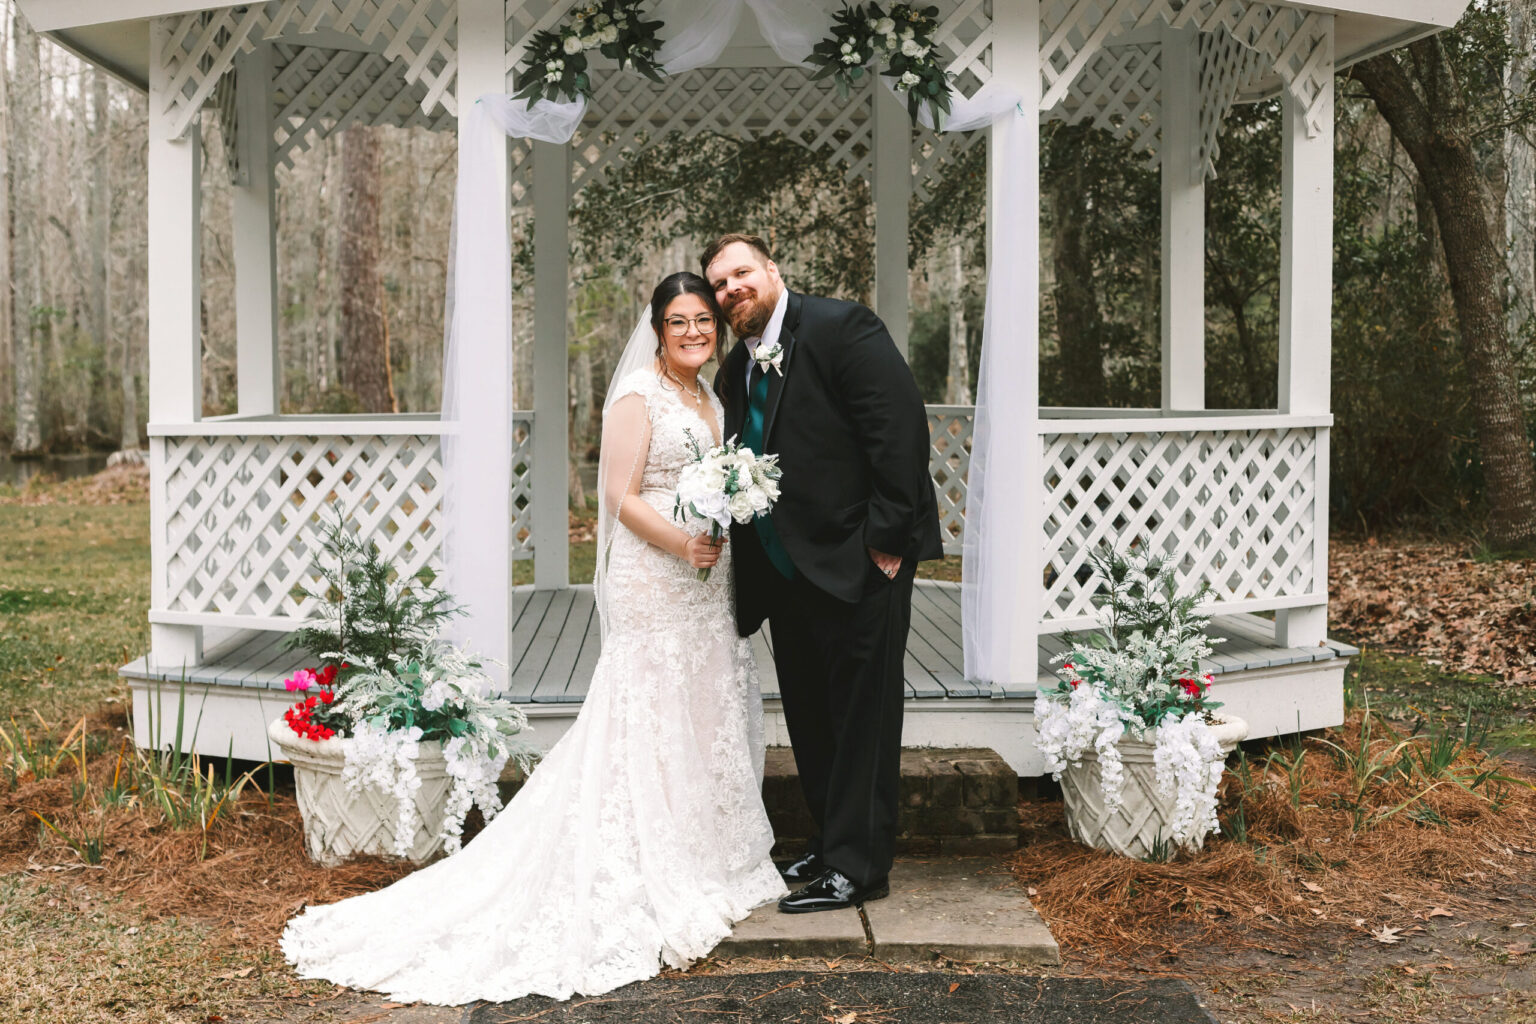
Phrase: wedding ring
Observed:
(890, 572)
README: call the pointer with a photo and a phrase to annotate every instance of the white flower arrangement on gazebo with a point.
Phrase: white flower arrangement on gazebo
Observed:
(1025, 492)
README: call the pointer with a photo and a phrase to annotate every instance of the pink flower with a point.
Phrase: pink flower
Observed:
(303, 679)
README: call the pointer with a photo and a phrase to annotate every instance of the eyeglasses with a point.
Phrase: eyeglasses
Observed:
(677, 326)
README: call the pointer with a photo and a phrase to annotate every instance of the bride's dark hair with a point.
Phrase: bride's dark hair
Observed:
(671, 287)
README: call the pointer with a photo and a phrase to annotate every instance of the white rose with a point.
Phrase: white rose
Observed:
(609, 35)
(589, 41)
(572, 45)
(552, 76)
(759, 499)
(601, 20)
(909, 48)
(885, 26)
(906, 33)
(740, 506)
(891, 42)
(846, 47)
(908, 79)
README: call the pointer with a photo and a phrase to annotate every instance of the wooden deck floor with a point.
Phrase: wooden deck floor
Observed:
(555, 638)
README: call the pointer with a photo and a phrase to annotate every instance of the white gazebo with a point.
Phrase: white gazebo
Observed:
(1242, 495)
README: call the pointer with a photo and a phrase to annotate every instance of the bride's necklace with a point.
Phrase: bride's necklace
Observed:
(697, 391)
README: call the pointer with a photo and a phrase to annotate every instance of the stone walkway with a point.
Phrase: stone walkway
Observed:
(961, 908)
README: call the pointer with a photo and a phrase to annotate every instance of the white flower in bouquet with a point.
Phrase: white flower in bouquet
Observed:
(726, 484)
(885, 26)
(572, 45)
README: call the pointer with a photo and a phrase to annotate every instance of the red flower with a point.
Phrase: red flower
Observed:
(1074, 682)
(326, 676)
(1192, 687)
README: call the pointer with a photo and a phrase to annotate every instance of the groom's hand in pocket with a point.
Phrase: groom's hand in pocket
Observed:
(889, 565)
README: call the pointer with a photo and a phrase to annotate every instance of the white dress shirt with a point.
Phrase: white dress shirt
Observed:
(770, 333)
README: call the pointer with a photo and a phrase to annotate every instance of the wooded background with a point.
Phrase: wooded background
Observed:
(1434, 370)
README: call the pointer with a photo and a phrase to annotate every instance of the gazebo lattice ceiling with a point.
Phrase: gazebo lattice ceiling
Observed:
(341, 62)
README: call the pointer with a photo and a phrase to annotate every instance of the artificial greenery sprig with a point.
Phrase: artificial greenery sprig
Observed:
(902, 39)
(555, 65)
(371, 613)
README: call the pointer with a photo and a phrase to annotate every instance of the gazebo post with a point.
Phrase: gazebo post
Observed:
(1306, 311)
(551, 381)
(891, 184)
(487, 623)
(254, 226)
(175, 323)
(1013, 238)
(1183, 229)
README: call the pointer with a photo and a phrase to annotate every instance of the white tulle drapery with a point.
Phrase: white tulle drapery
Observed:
(998, 497)
(477, 367)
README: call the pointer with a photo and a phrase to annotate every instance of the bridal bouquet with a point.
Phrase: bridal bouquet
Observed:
(726, 484)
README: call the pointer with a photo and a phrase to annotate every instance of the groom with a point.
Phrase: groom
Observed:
(820, 383)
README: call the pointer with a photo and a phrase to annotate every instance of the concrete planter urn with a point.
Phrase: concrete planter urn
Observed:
(1139, 827)
(340, 823)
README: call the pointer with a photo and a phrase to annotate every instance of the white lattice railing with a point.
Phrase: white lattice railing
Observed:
(949, 463)
(239, 504)
(1235, 498)
(240, 507)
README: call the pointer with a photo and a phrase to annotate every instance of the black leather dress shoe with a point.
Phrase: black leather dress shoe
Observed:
(803, 869)
(832, 890)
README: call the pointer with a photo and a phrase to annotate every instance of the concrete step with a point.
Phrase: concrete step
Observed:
(959, 908)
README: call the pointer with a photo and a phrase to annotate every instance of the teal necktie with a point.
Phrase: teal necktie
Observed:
(752, 437)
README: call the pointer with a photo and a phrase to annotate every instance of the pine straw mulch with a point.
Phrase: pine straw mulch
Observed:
(1303, 876)
(124, 484)
(1434, 599)
(251, 878)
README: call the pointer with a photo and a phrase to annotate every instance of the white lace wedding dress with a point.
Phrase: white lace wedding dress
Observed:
(641, 837)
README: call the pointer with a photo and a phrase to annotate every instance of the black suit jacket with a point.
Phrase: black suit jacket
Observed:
(848, 424)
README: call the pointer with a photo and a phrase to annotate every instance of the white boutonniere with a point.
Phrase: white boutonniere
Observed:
(770, 354)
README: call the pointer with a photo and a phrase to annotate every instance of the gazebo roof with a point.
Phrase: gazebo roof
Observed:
(342, 62)
(114, 34)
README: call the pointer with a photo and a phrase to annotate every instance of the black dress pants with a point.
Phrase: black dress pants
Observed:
(840, 677)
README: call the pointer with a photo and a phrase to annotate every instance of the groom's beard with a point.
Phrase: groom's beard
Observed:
(749, 314)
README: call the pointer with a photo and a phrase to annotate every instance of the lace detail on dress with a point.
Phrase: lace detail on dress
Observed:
(638, 841)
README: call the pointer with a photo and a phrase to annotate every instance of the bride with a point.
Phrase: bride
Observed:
(641, 837)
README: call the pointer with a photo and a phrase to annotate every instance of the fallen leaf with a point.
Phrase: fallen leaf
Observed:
(847, 1018)
(954, 985)
(1311, 887)
(1518, 948)
(1439, 912)
(1386, 935)
(393, 1006)
(1032, 891)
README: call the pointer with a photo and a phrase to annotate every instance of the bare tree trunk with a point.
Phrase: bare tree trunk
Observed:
(7, 333)
(26, 248)
(1520, 165)
(957, 384)
(1435, 132)
(1079, 327)
(364, 357)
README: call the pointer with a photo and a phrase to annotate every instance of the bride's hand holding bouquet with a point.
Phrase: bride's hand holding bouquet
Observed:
(725, 484)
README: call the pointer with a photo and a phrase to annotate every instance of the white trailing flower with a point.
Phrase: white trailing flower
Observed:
(911, 48)
(572, 45)
(1189, 763)
(385, 760)
(908, 80)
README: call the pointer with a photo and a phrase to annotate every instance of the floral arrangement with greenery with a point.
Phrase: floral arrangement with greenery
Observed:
(901, 39)
(1139, 676)
(555, 65)
(388, 682)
